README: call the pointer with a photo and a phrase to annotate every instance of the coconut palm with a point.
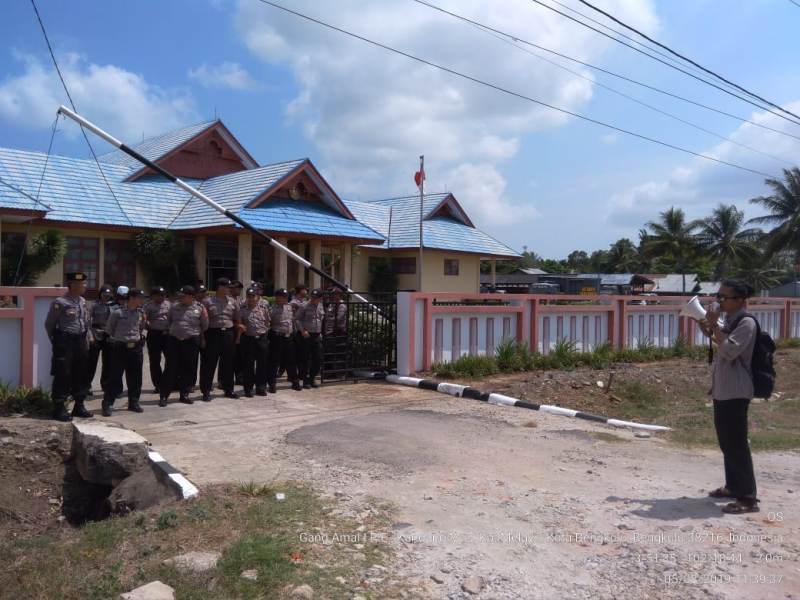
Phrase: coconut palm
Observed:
(784, 213)
(724, 241)
(623, 257)
(671, 239)
(760, 271)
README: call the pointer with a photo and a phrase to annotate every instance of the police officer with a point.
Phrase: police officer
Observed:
(254, 344)
(157, 313)
(336, 333)
(236, 289)
(282, 346)
(188, 321)
(125, 330)
(308, 321)
(223, 316)
(201, 293)
(299, 298)
(100, 311)
(68, 325)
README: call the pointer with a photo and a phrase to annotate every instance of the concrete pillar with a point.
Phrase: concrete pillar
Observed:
(201, 257)
(316, 260)
(347, 264)
(245, 258)
(280, 265)
(101, 261)
(494, 272)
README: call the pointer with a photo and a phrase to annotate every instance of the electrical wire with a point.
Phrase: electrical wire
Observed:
(72, 103)
(670, 65)
(509, 92)
(607, 72)
(687, 59)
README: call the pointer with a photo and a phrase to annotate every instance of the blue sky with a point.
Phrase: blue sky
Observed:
(530, 177)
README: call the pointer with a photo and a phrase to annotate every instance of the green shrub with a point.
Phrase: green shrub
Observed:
(25, 400)
(507, 356)
(785, 343)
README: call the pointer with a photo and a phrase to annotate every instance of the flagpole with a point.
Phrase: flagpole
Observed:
(421, 212)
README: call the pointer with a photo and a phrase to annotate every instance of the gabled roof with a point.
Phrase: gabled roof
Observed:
(157, 146)
(397, 219)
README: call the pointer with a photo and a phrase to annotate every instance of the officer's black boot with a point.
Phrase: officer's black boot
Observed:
(133, 406)
(248, 392)
(162, 401)
(261, 391)
(306, 384)
(105, 409)
(272, 388)
(186, 399)
(313, 382)
(60, 412)
(206, 397)
(79, 410)
(233, 395)
(296, 385)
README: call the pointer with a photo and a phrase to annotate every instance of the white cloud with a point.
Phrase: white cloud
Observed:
(120, 101)
(224, 75)
(370, 113)
(699, 185)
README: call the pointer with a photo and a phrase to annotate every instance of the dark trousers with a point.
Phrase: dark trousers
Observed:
(238, 366)
(156, 347)
(127, 360)
(254, 354)
(282, 354)
(220, 349)
(96, 350)
(180, 371)
(310, 355)
(70, 359)
(730, 421)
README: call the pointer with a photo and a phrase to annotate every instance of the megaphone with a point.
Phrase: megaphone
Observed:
(694, 310)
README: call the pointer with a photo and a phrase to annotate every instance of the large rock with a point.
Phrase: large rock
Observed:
(155, 590)
(141, 490)
(106, 455)
(194, 562)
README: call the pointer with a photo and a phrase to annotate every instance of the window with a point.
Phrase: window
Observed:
(451, 266)
(119, 265)
(83, 255)
(222, 260)
(404, 265)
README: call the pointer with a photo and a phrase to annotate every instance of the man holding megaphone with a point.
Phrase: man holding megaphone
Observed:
(732, 390)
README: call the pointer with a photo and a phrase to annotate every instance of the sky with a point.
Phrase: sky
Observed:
(527, 174)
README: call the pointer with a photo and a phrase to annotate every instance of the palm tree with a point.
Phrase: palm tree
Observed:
(623, 257)
(760, 271)
(672, 240)
(784, 213)
(724, 241)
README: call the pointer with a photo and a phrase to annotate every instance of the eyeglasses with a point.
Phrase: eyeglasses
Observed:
(724, 297)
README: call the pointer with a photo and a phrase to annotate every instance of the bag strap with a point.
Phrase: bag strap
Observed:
(734, 324)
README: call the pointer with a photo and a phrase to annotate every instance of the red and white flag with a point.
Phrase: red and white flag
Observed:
(419, 176)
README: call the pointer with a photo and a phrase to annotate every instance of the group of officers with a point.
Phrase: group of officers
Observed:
(245, 341)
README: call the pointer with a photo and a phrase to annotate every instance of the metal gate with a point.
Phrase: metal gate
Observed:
(359, 337)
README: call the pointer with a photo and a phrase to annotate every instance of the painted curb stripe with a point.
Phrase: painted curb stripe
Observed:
(186, 488)
(462, 391)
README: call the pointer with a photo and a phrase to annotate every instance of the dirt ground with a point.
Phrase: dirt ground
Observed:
(536, 506)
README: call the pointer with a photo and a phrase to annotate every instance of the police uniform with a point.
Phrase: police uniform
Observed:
(297, 302)
(236, 293)
(282, 345)
(157, 314)
(254, 346)
(100, 310)
(309, 319)
(187, 324)
(68, 325)
(125, 329)
(223, 315)
(335, 342)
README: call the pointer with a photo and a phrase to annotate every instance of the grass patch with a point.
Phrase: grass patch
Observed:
(103, 559)
(512, 356)
(786, 343)
(24, 400)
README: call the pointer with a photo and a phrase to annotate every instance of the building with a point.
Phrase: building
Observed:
(787, 290)
(101, 212)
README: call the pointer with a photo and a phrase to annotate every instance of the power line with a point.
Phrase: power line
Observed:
(663, 62)
(687, 59)
(797, 4)
(640, 102)
(72, 103)
(606, 71)
(507, 91)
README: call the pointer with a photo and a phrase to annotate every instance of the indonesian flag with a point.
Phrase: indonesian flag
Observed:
(419, 177)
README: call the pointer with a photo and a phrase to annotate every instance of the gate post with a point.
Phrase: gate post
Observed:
(406, 330)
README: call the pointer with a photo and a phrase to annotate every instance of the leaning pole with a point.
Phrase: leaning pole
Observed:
(210, 202)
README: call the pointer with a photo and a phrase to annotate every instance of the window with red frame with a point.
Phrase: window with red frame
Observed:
(119, 264)
(83, 256)
(451, 266)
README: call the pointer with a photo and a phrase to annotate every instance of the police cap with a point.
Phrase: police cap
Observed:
(106, 289)
(251, 291)
(75, 277)
(123, 291)
(135, 293)
(223, 282)
(187, 290)
(315, 293)
(237, 284)
(281, 292)
(158, 291)
(201, 289)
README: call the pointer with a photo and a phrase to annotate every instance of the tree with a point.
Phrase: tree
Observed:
(578, 261)
(165, 258)
(623, 257)
(724, 241)
(382, 279)
(671, 240)
(783, 207)
(760, 271)
(24, 266)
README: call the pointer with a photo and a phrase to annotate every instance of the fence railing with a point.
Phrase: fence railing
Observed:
(25, 348)
(434, 328)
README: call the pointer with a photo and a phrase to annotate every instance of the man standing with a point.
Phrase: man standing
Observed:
(125, 330)
(299, 298)
(732, 390)
(308, 322)
(254, 344)
(68, 327)
(236, 289)
(223, 315)
(100, 311)
(157, 312)
(188, 321)
(282, 346)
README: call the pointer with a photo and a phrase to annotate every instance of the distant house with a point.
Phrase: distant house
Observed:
(787, 290)
(100, 213)
(672, 284)
(621, 283)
